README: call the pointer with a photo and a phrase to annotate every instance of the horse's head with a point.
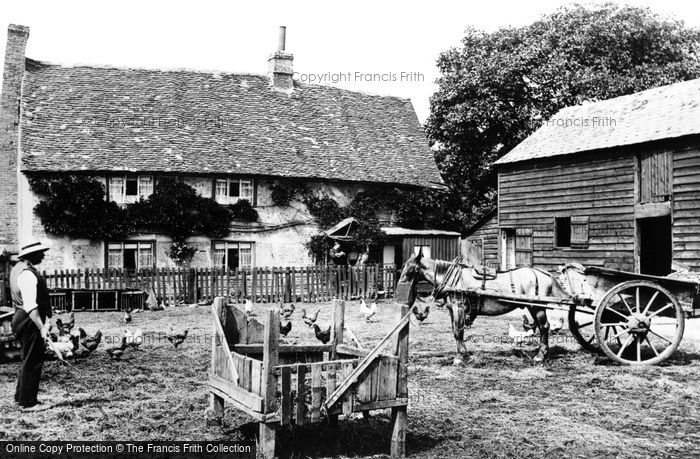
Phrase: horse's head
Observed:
(416, 269)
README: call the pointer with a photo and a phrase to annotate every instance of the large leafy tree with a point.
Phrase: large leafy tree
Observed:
(498, 87)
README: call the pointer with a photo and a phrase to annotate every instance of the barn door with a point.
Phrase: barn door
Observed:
(654, 176)
(523, 247)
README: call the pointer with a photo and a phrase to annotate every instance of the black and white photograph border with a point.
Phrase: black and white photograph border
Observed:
(378, 229)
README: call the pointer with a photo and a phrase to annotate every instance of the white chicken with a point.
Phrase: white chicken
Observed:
(518, 336)
(555, 329)
(134, 339)
(248, 307)
(368, 312)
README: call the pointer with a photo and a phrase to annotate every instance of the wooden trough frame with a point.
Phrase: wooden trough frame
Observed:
(280, 384)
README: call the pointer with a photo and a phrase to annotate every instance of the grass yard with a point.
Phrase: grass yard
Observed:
(499, 403)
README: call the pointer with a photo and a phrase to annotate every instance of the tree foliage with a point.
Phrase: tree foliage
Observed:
(75, 206)
(497, 88)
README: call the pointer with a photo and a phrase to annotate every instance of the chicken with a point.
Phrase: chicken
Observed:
(248, 306)
(177, 338)
(286, 328)
(127, 317)
(555, 329)
(527, 325)
(286, 311)
(421, 315)
(368, 312)
(116, 352)
(66, 349)
(90, 342)
(158, 307)
(309, 320)
(64, 328)
(134, 339)
(323, 335)
(518, 336)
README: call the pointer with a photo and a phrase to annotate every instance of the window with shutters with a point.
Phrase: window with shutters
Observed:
(230, 191)
(130, 188)
(562, 232)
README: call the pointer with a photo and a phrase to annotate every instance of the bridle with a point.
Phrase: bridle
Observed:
(440, 290)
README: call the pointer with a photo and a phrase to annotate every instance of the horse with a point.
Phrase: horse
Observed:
(464, 305)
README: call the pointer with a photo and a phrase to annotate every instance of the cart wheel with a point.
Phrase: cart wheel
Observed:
(639, 323)
(581, 326)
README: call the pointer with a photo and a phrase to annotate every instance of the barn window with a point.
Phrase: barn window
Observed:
(229, 191)
(232, 255)
(562, 232)
(130, 255)
(130, 188)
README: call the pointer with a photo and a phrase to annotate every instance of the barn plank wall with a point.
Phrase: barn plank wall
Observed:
(488, 232)
(686, 206)
(598, 185)
(441, 247)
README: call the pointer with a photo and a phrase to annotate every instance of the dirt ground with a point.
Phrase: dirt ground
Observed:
(498, 404)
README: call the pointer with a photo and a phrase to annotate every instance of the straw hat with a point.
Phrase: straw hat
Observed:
(33, 246)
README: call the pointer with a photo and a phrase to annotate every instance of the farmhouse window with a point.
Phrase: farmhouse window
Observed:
(232, 255)
(424, 248)
(127, 189)
(562, 232)
(130, 255)
(230, 191)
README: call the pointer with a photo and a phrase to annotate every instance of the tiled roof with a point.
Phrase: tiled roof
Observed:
(655, 114)
(101, 119)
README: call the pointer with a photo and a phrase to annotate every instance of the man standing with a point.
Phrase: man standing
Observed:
(30, 324)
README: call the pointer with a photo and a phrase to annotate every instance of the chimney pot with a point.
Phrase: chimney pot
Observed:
(282, 39)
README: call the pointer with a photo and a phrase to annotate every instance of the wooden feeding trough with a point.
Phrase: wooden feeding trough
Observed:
(280, 384)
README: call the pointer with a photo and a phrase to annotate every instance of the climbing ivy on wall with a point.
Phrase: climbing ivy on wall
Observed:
(75, 206)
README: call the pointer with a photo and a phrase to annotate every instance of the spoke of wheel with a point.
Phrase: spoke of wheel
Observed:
(669, 305)
(646, 309)
(618, 336)
(662, 337)
(639, 345)
(590, 340)
(618, 313)
(637, 302)
(651, 346)
(585, 324)
(626, 305)
(607, 332)
(618, 339)
(616, 324)
(624, 346)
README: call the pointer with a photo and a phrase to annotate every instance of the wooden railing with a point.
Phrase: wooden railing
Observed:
(261, 284)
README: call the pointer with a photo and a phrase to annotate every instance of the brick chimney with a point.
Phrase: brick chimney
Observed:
(280, 65)
(10, 100)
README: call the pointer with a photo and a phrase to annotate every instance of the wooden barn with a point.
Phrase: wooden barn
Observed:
(614, 183)
(401, 243)
(480, 243)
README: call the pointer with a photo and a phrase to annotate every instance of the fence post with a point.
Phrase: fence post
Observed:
(287, 286)
(192, 285)
(338, 325)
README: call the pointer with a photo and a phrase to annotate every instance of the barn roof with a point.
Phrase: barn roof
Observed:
(660, 113)
(182, 121)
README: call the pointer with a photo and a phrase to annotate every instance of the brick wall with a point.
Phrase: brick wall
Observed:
(9, 133)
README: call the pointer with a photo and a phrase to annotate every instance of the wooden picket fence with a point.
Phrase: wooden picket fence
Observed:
(261, 284)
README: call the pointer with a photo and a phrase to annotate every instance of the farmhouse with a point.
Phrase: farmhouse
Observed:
(230, 136)
(614, 183)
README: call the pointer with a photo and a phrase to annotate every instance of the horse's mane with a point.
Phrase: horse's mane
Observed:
(575, 266)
